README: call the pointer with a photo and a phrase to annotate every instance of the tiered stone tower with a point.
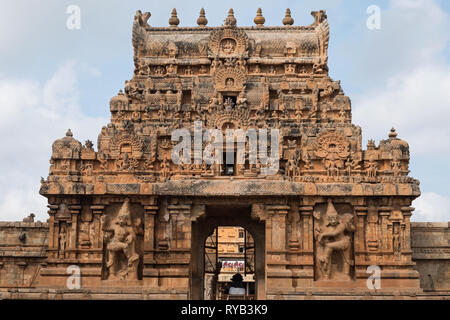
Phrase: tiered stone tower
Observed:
(131, 219)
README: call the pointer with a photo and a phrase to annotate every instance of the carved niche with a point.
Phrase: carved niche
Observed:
(231, 78)
(126, 143)
(123, 241)
(333, 239)
(229, 47)
(227, 42)
(333, 148)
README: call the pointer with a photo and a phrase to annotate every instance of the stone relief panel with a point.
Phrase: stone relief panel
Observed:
(334, 228)
(227, 42)
(123, 241)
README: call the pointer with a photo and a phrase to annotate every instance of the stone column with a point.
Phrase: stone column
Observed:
(278, 215)
(306, 275)
(150, 273)
(149, 232)
(278, 276)
(372, 233)
(179, 216)
(306, 213)
(360, 236)
(74, 211)
(97, 241)
(294, 229)
(386, 237)
(53, 233)
(175, 273)
(406, 247)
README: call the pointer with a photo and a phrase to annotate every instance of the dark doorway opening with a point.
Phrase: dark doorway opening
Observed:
(209, 278)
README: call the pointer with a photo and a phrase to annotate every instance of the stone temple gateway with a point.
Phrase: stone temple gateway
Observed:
(135, 223)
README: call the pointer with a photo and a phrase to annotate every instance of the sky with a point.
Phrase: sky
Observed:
(53, 78)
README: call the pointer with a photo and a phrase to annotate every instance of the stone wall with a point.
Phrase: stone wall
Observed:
(22, 250)
(431, 253)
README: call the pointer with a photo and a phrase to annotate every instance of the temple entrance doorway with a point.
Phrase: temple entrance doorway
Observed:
(228, 250)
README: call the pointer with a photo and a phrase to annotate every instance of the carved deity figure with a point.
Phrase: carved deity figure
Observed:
(291, 169)
(62, 241)
(241, 99)
(396, 244)
(122, 257)
(229, 83)
(228, 46)
(334, 236)
(372, 167)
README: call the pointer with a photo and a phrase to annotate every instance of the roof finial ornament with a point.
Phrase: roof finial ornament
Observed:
(174, 21)
(319, 17)
(230, 20)
(202, 21)
(142, 19)
(259, 19)
(393, 134)
(288, 20)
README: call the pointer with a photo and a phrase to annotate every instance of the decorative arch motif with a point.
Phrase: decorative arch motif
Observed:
(239, 118)
(228, 42)
(124, 139)
(230, 79)
(332, 144)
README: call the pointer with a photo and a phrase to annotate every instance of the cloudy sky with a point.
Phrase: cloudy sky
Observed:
(53, 78)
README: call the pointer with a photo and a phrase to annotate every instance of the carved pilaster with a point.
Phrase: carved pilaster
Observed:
(360, 235)
(386, 230)
(53, 230)
(372, 234)
(306, 215)
(97, 211)
(74, 212)
(407, 213)
(294, 228)
(149, 231)
(276, 247)
(180, 222)
(278, 216)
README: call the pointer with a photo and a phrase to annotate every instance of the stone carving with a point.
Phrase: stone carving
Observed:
(67, 147)
(333, 148)
(228, 41)
(141, 18)
(202, 21)
(333, 235)
(62, 240)
(122, 257)
(230, 77)
(30, 218)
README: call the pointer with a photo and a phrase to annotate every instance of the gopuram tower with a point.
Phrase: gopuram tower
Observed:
(327, 212)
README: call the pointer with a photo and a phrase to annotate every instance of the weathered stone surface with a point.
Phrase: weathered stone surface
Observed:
(134, 222)
(431, 253)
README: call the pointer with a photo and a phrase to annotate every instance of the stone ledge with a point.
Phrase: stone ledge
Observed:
(431, 225)
(29, 225)
(243, 188)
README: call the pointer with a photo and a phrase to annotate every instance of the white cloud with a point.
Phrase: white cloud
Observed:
(413, 33)
(417, 104)
(407, 76)
(32, 116)
(432, 207)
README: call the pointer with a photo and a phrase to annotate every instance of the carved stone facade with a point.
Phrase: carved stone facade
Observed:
(134, 221)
